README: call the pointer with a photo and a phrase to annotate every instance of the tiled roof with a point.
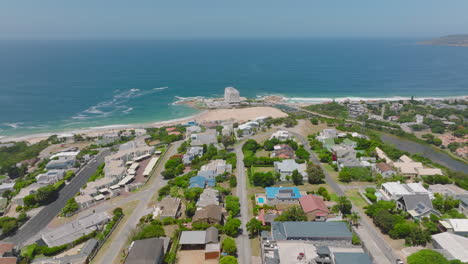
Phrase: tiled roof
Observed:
(311, 203)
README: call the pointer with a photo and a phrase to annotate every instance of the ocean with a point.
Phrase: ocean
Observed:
(56, 86)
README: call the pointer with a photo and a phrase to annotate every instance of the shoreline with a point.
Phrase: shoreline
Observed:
(236, 114)
(203, 115)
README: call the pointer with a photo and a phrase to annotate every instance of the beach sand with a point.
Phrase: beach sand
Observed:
(236, 115)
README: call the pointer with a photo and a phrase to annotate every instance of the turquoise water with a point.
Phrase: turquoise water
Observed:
(261, 200)
(63, 85)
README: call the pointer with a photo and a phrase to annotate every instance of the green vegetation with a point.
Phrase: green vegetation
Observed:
(9, 224)
(254, 226)
(344, 205)
(393, 221)
(70, 207)
(315, 173)
(99, 174)
(118, 214)
(331, 109)
(370, 194)
(355, 174)
(20, 151)
(173, 167)
(294, 213)
(44, 195)
(229, 246)
(263, 179)
(163, 136)
(148, 229)
(231, 227)
(228, 260)
(296, 178)
(428, 256)
(232, 205)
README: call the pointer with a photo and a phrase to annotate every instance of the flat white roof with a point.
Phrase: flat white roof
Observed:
(99, 197)
(65, 154)
(417, 187)
(104, 190)
(455, 245)
(126, 180)
(114, 187)
(395, 188)
(150, 166)
(458, 225)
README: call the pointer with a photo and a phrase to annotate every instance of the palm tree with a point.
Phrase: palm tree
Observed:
(354, 218)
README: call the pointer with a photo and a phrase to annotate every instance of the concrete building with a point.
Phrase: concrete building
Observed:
(211, 214)
(278, 195)
(50, 177)
(208, 197)
(384, 169)
(168, 207)
(75, 229)
(204, 138)
(61, 163)
(147, 251)
(452, 246)
(286, 167)
(463, 207)
(448, 190)
(232, 96)
(456, 226)
(214, 168)
(394, 190)
(282, 135)
(311, 231)
(191, 153)
(6, 186)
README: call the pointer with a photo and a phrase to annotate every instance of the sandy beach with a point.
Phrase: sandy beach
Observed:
(236, 115)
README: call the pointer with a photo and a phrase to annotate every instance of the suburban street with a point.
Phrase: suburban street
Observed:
(118, 243)
(40, 221)
(243, 241)
(370, 236)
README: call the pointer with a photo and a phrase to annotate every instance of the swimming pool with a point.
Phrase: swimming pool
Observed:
(260, 200)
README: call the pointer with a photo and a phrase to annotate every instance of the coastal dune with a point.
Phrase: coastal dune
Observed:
(239, 115)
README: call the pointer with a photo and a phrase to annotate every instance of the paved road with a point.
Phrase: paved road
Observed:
(426, 151)
(243, 241)
(43, 218)
(375, 243)
(113, 253)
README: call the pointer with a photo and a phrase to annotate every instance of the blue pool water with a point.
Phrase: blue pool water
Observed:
(261, 200)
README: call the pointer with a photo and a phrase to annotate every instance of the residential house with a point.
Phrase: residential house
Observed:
(169, 207)
(50, 177)
(451, 245)
(215, 168)
(349, 143)
(407, 167)
(282, 135)
(283, 151)
(61, 163)
(6, 186)
(18, 199)
(417, 205)
(204, 138)
(198, 239)
(381, 155)
(311, 231)
(209, 196)
(394, 190)
(146, 251)
(201, 182)
(345, 156)
(267, 217)
(286, 167)
(328, 133)
(8, 253)
(192, 130)
(314, 207)
(456, 226)
(463, 207)
(191, 154)
(248, 128)
(227, 130)
(352, 258)
(80, 257)
(428, 171)
(75, 229)
(384, 169)
(210, 214)
(277, 195)
(450, 190)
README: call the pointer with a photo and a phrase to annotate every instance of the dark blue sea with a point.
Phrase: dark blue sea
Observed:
(55, 86)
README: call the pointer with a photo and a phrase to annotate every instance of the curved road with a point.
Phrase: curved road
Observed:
(426, 151)
(43, 218)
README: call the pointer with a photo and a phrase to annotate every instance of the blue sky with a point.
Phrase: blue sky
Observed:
(198, 19)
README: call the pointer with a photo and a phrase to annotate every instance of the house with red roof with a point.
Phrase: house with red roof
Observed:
(314, 207)
(283, 151)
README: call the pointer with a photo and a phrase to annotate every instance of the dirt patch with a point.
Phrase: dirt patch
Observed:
(194, 257)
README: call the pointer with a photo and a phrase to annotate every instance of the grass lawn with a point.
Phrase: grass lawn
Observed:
(355, 198)
(332, 172)
(263, 153)
(2, 177)
(255, 247)
(263, 169)
(334, 197)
